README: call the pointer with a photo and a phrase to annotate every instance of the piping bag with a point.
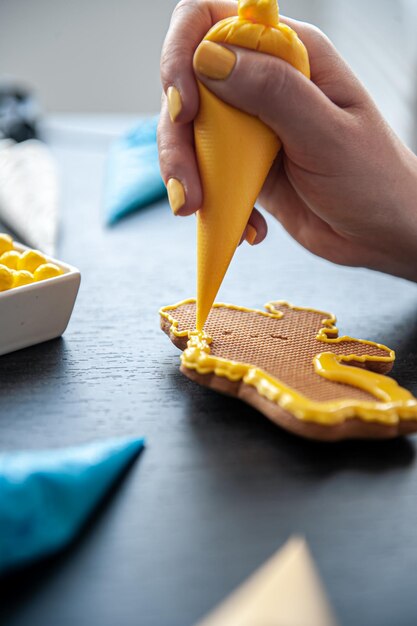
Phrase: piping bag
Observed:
(235, 150)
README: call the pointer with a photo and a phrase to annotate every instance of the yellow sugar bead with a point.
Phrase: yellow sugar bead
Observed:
(47, 270)
(22, 277)
(10, 259)
(6, 278)
(6, 243)
(30, 260)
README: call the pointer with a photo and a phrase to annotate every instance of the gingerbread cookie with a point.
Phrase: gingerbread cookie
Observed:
(290, 364)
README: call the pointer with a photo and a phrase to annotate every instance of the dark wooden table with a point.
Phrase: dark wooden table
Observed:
(218, 488)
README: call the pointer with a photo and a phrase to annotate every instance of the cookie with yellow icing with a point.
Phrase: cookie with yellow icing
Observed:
(290, 364)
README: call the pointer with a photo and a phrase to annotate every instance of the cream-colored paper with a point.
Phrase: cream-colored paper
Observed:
(286, 591)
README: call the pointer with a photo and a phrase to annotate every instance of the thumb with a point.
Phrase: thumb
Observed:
(302, 116)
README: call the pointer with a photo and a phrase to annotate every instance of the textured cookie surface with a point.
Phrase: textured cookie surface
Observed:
(280, 361)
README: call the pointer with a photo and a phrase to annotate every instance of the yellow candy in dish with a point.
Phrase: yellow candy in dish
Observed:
(22, 277)
(47, 270)
(30, 260)
(6, 278)
(6, 243)
(10, 259)
(235, 150)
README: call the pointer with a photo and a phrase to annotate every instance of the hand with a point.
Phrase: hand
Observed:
(343, 186)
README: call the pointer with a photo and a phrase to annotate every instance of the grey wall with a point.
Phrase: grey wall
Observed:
(103, 55)
(86, 55)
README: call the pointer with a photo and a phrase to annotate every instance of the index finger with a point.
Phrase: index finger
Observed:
(190, 22)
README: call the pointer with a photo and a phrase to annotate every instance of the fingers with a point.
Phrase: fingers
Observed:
(275, 92)
(178, 164)
(190, 22)
(180, 173)
(256, 229)
(329, 71)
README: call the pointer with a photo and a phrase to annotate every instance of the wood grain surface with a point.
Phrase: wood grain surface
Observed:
(218, 488)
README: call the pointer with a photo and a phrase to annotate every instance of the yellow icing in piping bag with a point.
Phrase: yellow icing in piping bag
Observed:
(235, 150)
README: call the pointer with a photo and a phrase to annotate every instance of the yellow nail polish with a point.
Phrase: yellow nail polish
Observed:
(174, 103)
(251, 233)
(213, 60)
(176, 195)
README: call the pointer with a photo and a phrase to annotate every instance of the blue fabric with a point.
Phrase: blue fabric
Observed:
(133, 179)
(46, 496)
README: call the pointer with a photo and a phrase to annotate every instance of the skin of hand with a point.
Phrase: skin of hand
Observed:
(344, 185)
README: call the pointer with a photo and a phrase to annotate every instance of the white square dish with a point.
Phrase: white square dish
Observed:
(39, 311)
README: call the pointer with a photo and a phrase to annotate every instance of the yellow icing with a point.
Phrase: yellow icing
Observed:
(393, 403)
(384, 388)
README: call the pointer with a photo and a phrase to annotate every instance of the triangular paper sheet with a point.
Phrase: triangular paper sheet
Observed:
(286, 591)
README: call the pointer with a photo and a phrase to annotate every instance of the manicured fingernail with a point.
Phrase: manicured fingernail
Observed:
(174, 103)
(251, 233)
(176, 195)
(213, 60)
